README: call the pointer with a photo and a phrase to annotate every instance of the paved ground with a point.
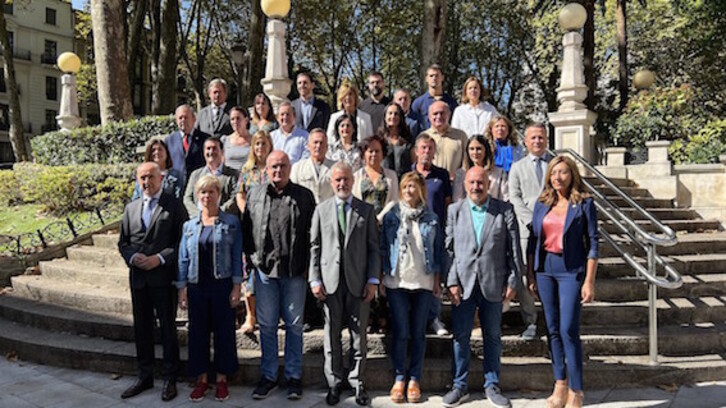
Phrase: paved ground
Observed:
(26, 385)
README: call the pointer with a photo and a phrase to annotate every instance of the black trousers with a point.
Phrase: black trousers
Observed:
(150, 303)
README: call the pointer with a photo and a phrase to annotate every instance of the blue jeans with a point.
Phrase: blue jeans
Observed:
(275, 297)
(490, 317)
(559, 291)
(409, 309)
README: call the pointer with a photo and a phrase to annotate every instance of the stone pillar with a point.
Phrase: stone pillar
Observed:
(615, 167)
(276, 83)
(68, 117)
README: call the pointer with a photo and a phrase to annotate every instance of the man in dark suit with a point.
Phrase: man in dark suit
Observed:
(214, 118)
(185, 145)
(150, 232)
(345, 264)
(311, 112)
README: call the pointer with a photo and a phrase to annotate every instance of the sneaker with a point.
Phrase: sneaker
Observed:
(495, 397)
(294, 389)
(200, 390)
(222, 392)
(264, 388)
(454, 397)
(438, 327)
(530, 333)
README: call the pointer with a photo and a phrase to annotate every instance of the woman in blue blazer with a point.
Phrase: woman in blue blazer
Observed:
(563, 251)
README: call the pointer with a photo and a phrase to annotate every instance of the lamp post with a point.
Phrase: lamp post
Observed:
(573, 120)
(276, 83)
(68, 117)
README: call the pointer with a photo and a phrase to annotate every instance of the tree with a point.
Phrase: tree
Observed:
(433, 34)
(114, 94)
(17, 138)
(164, 58)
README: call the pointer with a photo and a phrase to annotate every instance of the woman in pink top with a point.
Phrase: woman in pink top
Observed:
(563, 251)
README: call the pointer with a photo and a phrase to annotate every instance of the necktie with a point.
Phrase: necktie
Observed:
(538, 169)
(149, 204)
(185, 141)
(341, 218)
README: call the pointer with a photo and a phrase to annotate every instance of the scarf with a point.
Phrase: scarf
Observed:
(408, 217)
(503, 155)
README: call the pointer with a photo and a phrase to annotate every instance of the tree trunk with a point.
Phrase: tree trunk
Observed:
(164, 84)
(588, 54)
(136, 32)
(114, 96)
(622, 53)
(432, 35)
(255, 63)
(17, 137)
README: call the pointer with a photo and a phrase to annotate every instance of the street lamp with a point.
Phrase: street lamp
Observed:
(68, 117)
(572, 91)
(276, 83)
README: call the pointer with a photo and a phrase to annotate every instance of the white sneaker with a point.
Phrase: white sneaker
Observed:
(438, 327)
(530, 333)
(506, 305)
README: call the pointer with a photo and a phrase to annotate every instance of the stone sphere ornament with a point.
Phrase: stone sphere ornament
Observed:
(572, 17)
(643, 79)
(275, 8)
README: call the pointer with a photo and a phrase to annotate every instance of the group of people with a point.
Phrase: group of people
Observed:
(306, 209)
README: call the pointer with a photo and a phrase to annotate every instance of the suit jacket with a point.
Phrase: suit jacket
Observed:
(524, 190)
(496, 263)
(319, 116)
(193, 159)
(161, 237)
(579, 239)
(304, 174)
(229, 178)
(207, 124)
(361, 252)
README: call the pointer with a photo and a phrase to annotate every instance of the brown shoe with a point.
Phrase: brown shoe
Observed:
(413, 394)
(397, 392)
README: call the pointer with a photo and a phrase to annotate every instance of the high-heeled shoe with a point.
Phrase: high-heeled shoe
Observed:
(558, 399)
(576, 399)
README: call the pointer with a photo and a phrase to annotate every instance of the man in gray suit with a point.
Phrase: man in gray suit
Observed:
(345, 264)
(526, 179)
(150, 232)
(213, 154)
(213, 119)
(482, 240)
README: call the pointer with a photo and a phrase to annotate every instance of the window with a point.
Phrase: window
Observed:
(49, 16)
(3, 88)
(50, 55)
(4, 117)
(11, 39)
(51, 88)
(50, 121)
(8, 8)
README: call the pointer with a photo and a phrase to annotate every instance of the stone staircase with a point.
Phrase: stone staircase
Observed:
(77, 314)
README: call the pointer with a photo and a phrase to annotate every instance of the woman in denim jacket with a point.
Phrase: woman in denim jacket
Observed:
(210, 264)
(412, 247)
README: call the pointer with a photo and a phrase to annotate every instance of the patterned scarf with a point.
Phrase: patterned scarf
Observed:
(408, 217)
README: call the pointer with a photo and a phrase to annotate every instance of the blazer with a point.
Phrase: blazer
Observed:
(361, 252)
(362, 122)
(496, 263)
(161, 237)
(391, 197)
(193, 159)
(579, 239)
(304, 174)
(229, 178)
(207, 124)
(524, 190)
(319, 116)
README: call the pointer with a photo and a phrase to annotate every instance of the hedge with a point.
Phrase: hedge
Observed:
(704, 147)
(112, 143)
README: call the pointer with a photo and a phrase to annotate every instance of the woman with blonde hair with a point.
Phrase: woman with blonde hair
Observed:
(348, 101)
(474, 113)
(503, 138)
(412, 248)
(562, 252)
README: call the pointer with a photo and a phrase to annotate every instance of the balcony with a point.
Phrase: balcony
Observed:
(47, 58)
(20, 53)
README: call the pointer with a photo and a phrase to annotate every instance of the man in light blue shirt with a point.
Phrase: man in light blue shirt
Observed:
(289, 138)
(478, 217)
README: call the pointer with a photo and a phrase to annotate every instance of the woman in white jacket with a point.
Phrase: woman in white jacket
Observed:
(348, 102)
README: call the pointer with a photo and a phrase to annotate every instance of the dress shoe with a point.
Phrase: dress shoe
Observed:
(361, 396)
(137, 388)
(168, 392)
(333, 396)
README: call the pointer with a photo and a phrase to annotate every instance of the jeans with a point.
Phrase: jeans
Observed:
(434, 309)
(277, 297)
(559, 291)
(490, 317)
(409, 309)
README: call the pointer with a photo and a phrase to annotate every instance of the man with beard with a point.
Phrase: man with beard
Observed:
(345, 264)
(311, 112)
(213, 154)
(375, 103)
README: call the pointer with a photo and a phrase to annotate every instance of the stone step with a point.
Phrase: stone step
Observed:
(108, 240)
(684, 264)
(679, 226)
(688, 244)
(631, 191)
(74, 271)
(633, 288)
(664, 213)
(620, 182)
(110, 258)
(73, 295)
(91, 353)
(643, 201)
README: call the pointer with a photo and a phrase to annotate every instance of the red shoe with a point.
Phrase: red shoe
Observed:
(222, 392)
(200, 390)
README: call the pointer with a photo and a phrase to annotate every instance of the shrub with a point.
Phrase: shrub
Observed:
(9, 193)
(704, 147)
(113, 143)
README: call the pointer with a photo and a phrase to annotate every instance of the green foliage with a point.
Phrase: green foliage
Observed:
(9, 193)
(113, 143)
(65, 189)
(661, 114)
(704, 147)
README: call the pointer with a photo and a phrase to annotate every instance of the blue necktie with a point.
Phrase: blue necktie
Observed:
(149, 205)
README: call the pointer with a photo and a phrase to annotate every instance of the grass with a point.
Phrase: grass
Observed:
(24, 218)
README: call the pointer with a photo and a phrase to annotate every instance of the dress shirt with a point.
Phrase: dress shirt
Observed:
(306, 108)
(293, 144)
(147, 201)
(478, 216)
(473, 120)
